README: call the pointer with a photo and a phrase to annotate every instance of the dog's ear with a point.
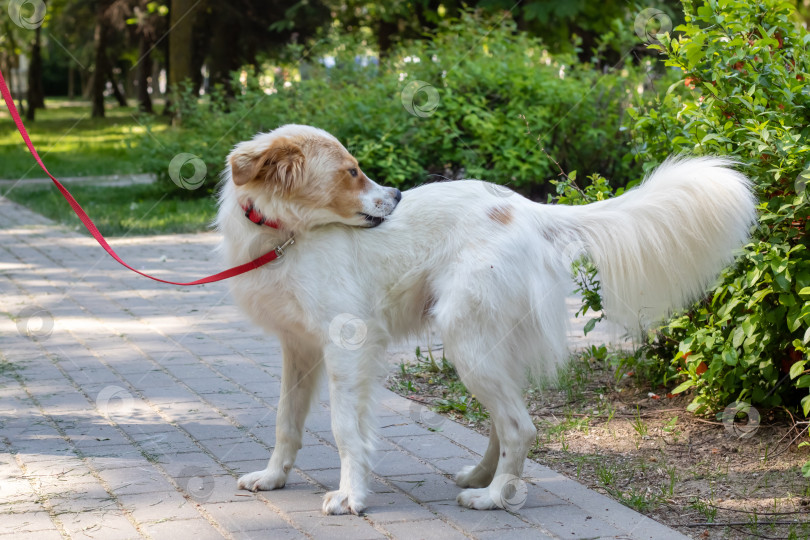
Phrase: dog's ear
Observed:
(281, 164)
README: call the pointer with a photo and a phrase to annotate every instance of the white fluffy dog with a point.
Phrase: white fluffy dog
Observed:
(487, 268)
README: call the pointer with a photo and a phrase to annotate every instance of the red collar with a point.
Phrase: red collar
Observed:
(256, 217)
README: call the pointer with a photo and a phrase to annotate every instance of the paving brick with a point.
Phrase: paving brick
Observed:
(286, 533)
(168, 505)
(317, 457)
(98, 524)
(241, 449)
(130, 481)
(29, 518)
(295, 497)
(245, 515)
(92, 375)
(453, 465)
(426, 487)
(41, 443)
(13, 488)
(91, 489)
(396, 507)
(72, 505)
(165, 443)
(319, 421)
(569, 521)
(63, 468)
(474, 521)
(434, 529)
(104, 450)
(215, 429)
(198, 529)
(515, 534)
(250, 417)
(400, 426)
(95, 434)
(398, 463)
(179, 465)
(345, 527)
(209, 384)
(204, 488)
(38, 535)
(268, 390)
(131, 459)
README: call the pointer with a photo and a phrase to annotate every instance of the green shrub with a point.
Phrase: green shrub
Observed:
(494, 100)
(745, 66)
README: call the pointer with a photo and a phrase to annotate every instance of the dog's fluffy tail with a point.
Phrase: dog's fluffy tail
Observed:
(660, 246)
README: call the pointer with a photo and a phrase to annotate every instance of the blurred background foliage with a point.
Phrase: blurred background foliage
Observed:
(515, 81)
(493, 102)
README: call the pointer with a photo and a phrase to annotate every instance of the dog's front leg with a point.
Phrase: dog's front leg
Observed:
(350, 390)
(301, 370)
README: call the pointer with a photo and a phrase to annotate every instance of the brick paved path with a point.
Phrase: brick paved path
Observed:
(128, 409)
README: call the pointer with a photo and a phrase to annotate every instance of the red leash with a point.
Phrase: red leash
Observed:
(91, 227)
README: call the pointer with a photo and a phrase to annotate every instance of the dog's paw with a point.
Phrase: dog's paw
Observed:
(473, 477)
(263, 480)
(340, 502)
(477, 499)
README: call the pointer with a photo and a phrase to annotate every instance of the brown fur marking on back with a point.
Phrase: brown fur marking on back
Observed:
(502, 214)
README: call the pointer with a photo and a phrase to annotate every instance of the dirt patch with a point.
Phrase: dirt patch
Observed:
(642, 448)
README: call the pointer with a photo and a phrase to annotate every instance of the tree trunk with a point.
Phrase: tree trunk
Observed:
(119, 95)
(221, 61)
(71, 83)
(100, 69)
(167, 94)
(385, 30)
(144, 71)
(181, 21)
(36, 95)
(86, 83)
(199, 53)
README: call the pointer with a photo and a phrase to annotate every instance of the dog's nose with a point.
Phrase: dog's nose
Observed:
(397, 194)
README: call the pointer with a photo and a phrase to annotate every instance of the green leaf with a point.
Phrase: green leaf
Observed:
(738, 337)
(685, 385)
(730, 357)
(806, 404)
(758, 296)
(797, 369)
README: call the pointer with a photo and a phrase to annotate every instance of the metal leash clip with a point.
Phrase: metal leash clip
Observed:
(280, 249)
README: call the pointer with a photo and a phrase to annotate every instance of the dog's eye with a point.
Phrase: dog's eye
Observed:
(353, 172)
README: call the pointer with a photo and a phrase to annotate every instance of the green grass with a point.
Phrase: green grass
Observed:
(73, 144)
(119, 211)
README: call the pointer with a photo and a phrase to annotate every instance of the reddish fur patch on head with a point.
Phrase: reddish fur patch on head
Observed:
(282, 164)
(345, 191)
(502, 214)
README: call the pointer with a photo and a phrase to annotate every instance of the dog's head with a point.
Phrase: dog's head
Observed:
(305, 174)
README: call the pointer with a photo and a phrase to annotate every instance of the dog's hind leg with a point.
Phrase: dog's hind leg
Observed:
(301, 370)
(481, 475)
(483, 366)
(516, 433)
